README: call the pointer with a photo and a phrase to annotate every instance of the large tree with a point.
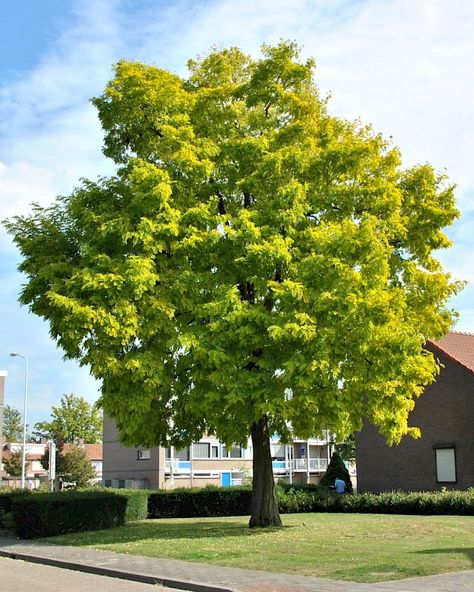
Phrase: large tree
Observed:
(255, 266)
(74, 421)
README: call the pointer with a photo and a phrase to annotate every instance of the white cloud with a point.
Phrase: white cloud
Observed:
(402, 65)
(67, 73)
(22, 183)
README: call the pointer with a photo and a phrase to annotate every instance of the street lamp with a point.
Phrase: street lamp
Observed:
(23, 455)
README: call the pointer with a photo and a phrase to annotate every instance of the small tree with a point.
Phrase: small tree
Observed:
(12, 424)
(77, 467)
(13, 465)
(72, 466)
(337, 469)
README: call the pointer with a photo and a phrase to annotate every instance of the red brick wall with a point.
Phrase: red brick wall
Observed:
(445, 414)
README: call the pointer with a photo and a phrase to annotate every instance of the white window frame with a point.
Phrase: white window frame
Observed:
(445, 458)
(208, 444)
(226, 453)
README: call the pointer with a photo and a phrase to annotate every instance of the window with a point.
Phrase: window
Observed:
(445, 465)
(202, 450)
(278, 451)
(215, 451)
(177, 454)
(234, 452)
(143, 454)
(182, 454)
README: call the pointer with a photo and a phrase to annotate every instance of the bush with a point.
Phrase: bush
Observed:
(7, 496)
(137, 500)
(394, 502)
(338, 469)
(188, 503)
(51, 514)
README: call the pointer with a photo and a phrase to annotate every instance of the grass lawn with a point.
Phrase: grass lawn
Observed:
(355, 547)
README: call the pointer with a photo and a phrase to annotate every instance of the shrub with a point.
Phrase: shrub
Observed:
(393, 502)
(51, 514)
(336, 468)
(7, 496)
(137, 500)
(187, 503)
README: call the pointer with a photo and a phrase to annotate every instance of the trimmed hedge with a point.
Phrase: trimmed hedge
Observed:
(51, 514)
(8, 495)
(394, 502)
(189, 503)
(236, 501)
(137, 500)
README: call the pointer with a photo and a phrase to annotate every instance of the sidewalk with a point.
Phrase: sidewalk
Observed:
(199, 577)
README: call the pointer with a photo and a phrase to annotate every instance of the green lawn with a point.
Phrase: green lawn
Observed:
(355, 547)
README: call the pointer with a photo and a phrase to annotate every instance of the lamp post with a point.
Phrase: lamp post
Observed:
(25, 401)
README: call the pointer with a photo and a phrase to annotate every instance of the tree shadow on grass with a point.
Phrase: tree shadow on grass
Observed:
(158, 530)
(466, 551)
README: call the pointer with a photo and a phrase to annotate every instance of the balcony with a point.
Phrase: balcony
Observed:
(300, 464)
(319, 465)
(279, 466)
(177, 466)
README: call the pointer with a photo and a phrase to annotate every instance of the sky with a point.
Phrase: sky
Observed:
(404, 66)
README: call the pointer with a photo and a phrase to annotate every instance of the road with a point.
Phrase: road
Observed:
(18, 576)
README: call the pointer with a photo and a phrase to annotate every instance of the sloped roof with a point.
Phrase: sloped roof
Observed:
(94, 451)
(457, 346)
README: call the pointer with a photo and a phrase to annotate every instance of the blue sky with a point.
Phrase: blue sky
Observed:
(404, 66)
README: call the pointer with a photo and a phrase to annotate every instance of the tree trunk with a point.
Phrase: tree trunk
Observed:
(264, 502)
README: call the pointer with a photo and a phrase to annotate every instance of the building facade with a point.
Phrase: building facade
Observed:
(444, 455)
(207, 462)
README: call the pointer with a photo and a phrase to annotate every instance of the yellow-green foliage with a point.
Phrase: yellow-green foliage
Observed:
(253, 255)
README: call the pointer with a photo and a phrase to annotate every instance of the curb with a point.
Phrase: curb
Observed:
(116, 573)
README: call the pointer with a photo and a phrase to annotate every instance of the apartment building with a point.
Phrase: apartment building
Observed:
(207, 462)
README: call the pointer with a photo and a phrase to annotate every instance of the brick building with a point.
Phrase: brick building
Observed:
(444, 455)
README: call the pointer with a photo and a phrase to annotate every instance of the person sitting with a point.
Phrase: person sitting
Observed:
(340, 485)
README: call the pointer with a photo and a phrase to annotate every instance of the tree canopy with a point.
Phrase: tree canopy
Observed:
(74, 421)
(255, 265)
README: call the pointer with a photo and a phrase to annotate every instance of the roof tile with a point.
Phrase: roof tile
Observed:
(458, 346)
